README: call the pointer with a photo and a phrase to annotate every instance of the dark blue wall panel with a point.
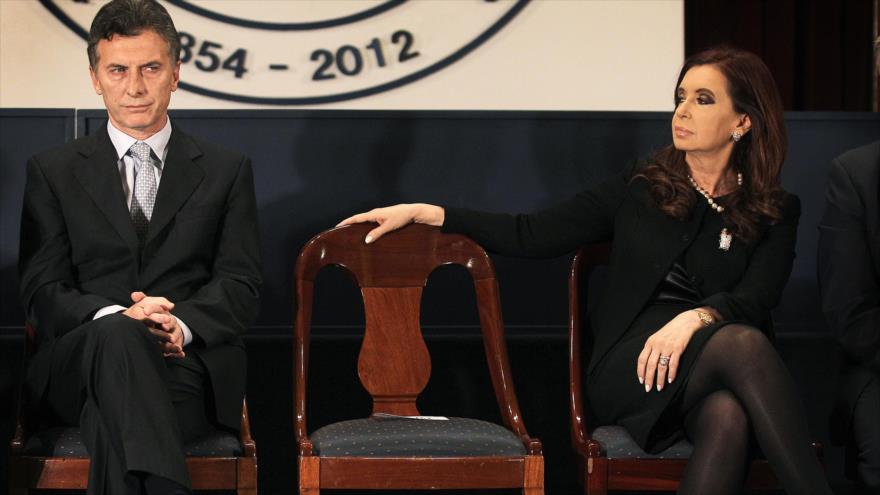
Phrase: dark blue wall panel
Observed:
(815, 138)
(23, 132)
(314, 168)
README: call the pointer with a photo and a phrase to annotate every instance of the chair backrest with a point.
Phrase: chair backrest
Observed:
(394, 364)
(585, 261)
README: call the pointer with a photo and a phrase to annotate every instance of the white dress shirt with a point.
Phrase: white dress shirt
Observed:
(158, 143)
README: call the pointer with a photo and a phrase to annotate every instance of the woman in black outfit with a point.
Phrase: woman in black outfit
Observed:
(702, 245)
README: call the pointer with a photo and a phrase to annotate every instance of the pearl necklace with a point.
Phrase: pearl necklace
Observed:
(712, 204)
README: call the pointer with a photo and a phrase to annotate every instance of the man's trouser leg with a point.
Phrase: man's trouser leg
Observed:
(109, 377)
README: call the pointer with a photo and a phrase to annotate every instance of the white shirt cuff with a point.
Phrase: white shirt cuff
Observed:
(187, 333)
(108, 310)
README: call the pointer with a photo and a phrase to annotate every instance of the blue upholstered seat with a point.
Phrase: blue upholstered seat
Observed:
(67, 442)
(403, 437)
(620, 445)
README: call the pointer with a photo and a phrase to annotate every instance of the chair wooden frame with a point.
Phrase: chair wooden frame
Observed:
(597, 473)
(27, 472)
(391, 274)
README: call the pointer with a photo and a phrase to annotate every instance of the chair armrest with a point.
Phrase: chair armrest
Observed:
(17, 443)
(578, 429)
(584, 261)
(19, 438)
(247, 442)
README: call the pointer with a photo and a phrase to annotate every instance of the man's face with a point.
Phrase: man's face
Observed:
(135, 76)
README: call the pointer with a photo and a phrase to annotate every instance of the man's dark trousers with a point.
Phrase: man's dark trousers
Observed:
(148, 404)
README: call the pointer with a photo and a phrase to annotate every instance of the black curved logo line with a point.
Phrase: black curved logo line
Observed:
(65, 19)
(287, 26)
(315, 100)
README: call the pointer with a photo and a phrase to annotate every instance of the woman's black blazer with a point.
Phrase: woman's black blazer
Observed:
(744, 283)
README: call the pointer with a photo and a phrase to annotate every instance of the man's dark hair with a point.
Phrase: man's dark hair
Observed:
(131, 18)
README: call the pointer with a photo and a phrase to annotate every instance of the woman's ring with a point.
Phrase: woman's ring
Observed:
(664, 360)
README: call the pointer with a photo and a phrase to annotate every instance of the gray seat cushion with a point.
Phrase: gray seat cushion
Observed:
(67, 442)
(620, 445)
(402, 437)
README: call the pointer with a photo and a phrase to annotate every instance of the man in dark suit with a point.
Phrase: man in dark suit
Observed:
(139, 268)
(849, 277)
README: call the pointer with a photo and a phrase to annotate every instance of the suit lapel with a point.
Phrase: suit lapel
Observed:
(99, 175)
(180, 177)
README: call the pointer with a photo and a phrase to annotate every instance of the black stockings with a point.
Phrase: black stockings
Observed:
(739, 385)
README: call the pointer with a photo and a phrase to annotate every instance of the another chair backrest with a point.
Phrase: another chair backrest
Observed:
(394, 364)
(585, 260)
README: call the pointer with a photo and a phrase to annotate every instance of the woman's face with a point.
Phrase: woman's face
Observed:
(704, 116)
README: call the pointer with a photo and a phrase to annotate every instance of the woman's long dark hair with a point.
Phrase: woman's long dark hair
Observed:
(758, 155)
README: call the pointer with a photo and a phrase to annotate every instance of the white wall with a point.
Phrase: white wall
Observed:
(554, 55)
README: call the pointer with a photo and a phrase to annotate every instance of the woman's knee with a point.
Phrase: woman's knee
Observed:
(743, 334)
(743, 354)
(741, 342)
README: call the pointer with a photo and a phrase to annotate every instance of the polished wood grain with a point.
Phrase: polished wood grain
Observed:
(534, 475)
(309, 475)
(61, 473)
(599, 474)
(394, 365)
(423, 473)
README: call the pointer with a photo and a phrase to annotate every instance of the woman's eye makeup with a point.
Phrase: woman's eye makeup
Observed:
(705, 100)
(701, 99)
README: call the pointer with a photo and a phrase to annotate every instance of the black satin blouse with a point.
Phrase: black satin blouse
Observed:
(676, 287)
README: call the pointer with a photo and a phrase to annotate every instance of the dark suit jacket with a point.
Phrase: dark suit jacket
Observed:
(79, 251)
(849, 267)
(744, 283)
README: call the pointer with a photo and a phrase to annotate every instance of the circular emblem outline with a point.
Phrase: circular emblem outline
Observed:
(316, 100)
(286, 26)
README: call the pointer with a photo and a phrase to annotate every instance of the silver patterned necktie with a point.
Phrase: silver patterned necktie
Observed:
(144, 196)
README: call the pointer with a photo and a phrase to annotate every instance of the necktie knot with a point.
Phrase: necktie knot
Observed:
(141, 151)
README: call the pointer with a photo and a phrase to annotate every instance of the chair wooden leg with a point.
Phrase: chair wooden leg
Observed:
(17, 479)
(247, 476)
(309, 475)
(597, 476)
(533, 475)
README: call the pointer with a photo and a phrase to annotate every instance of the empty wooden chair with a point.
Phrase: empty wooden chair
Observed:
(387, 452)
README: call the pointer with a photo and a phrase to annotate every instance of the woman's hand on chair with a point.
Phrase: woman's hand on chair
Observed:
(658, 361)
(397, 216)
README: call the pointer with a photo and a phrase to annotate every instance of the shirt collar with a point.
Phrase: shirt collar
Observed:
(158, 142)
